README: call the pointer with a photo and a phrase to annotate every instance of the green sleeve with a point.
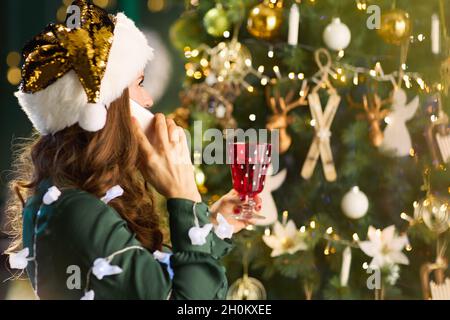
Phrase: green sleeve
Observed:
(89, 229)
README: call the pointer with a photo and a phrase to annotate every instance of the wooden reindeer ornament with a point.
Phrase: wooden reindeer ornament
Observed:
(437, 134)
(322, 122)
(281, 106)
(373, 105)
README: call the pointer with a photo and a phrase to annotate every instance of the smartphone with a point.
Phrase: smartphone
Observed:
(142, 115)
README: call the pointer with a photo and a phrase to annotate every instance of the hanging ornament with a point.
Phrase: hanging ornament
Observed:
(216, 21)
(247, 288)
(230, 61)
(434, 211)
(397, 140)
(437, 133)
(265, 19)
(435, 34)
(294, 25)
(281, 106)
(395, 26)
(337, 35)
(355, 203)
(373, 106)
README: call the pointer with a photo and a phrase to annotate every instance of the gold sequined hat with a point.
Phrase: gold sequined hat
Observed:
(72, 74)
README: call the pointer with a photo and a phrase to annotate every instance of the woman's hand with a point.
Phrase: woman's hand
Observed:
(165, 159)
(230, 205)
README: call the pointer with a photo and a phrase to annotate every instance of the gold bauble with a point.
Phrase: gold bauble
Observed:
(230, 61)
(247, 288)
(434, 211)
(395, 26)
(265, 19)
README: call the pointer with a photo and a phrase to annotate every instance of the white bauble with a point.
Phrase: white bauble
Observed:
(337, 35)
(355, 203)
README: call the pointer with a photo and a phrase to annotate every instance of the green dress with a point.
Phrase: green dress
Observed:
(70, 234)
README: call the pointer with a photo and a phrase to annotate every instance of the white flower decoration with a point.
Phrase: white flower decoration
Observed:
(286, 239)
(103, 268)
(164, 258)
(384, 247)
(19, 260)
(223, 230)
(90, 295)
(198, 234)
(112, 194)
(51, 196)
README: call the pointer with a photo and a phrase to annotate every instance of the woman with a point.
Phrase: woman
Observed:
(88, 228)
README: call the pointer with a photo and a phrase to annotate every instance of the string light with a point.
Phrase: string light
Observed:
(355, 237)
(312, 224)
(301, 76)
(302, 229)
(329, 230)
(355, 79)
(270, 53)
(261, 69)
(291, 75)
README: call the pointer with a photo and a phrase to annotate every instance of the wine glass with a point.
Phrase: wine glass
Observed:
(249, 164)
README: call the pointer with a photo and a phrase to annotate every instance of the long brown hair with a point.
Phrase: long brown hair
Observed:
(93, 162)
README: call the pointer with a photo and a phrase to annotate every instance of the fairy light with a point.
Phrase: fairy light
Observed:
(267, 232)
(250, 89)
(301, 76)
(433, 118)
(197, 75)
(264, 81)
(226, 34)
(355, 237)
(373, 73)
(439, 87)
(252, 117)
(312, 224)
(365, 265)
(407, 81)
(343, 78)
(421, 83)
(285, 217)
(276, 69)
(387, 120)
(407, 218)
(355, 79)
(421, 37)
(341, 54)
(408, 247)
(190, 73)
(412, 152)
(248, 62)
(329, 230)
(302, 229)
(261, 69)
(291, 75)
(270, 53)
(312, 123)
(194, 53)
(339, 70)
(404, 66)
(301, 93)
(327, 249)
(204, 62)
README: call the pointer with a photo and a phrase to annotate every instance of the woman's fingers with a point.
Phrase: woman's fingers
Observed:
(173, 131)
(160, 130)
(143, 142)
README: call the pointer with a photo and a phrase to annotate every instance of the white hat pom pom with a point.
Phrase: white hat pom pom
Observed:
(93, 117)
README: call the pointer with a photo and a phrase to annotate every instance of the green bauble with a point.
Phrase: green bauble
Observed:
(187, 31)
(216, 21)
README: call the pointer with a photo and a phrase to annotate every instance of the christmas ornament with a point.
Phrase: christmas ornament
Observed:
(285, 239)
(440, 291)
(434, 211)
(51, 196)
(385, 247)
(322, 123)
(247, 288)
(337, 35)
(265, 19)
(294, 25)
(20, 259)
(395, 26)
(346, 264)
(373, 105)
(103, 268)
(269, 210)
(437, 134)
(435, 34)
(281, 106)
(397, 140)
(216, 21)
(230, 61)
(355, 204)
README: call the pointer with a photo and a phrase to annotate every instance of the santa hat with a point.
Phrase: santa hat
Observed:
(71, 75)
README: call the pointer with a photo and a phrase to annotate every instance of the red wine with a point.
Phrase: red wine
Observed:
(249, 167)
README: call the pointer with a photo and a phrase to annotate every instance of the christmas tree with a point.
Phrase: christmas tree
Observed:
(359, 93)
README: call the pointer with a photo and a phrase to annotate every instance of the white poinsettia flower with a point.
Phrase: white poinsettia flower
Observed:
(90, 295)
(285, 239)
(19, 260)
(223, 230)
(113, 193)
(198, 234)
(51, 196)
(103, 268)
(385, 247)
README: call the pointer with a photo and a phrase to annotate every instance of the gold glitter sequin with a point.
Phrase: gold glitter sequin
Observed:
(58, 49)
